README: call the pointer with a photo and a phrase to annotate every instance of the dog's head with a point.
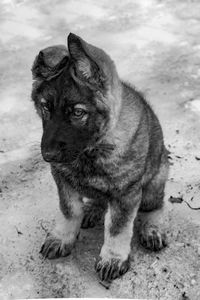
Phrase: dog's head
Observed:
(77, 94)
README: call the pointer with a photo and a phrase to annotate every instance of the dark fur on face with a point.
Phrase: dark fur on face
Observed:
(104, 142)
(73, 112)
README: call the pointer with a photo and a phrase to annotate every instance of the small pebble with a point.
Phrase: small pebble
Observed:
(153, 264)
(198, 250)
(193, 282)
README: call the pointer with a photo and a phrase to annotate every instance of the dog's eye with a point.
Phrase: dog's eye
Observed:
(78, 112)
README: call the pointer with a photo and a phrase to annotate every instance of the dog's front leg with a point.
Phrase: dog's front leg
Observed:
(61, 240)
(113, 260)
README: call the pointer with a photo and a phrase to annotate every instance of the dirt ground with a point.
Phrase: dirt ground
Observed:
(156, 47)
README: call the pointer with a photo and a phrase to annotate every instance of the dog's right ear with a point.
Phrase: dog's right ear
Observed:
(50, 62)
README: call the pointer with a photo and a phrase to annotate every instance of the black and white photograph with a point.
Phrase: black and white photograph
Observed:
(100, 149)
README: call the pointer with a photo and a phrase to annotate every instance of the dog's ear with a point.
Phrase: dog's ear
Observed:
(50, 62)
(91, 64)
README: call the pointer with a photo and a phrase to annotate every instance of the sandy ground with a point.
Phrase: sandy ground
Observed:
(156, 46)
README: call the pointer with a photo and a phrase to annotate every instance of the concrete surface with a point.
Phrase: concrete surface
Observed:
(156, 47)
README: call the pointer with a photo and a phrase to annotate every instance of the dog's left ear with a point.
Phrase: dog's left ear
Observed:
(91, 64)
(50, 62)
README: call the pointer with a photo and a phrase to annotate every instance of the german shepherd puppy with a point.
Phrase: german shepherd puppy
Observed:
(103, 142)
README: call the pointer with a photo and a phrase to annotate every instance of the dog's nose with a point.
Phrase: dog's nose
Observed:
(50, 155)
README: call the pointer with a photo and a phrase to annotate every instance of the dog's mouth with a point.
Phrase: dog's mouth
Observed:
(71, 157)
(60, 156)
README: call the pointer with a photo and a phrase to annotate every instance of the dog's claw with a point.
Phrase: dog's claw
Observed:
(54, 248)
(111, 269)
(151, 237)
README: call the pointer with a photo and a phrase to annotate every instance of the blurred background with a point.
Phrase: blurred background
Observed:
(156, 47)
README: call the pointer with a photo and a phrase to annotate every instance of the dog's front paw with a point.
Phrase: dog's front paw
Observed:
(111, 269)
(54, 248)
(152, 238)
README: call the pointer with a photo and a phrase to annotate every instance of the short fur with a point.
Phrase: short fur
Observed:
(112, 152)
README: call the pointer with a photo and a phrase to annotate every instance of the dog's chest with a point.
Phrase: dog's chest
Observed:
(89, 179)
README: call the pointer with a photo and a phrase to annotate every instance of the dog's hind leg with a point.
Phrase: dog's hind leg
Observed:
(152, 216)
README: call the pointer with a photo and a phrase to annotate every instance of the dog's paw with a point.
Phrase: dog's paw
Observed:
(54, 248)
(90, 219)
(92, 216)
(152, 238)
(108, 270)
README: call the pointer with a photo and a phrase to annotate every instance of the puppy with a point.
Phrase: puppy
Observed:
(103, 142)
